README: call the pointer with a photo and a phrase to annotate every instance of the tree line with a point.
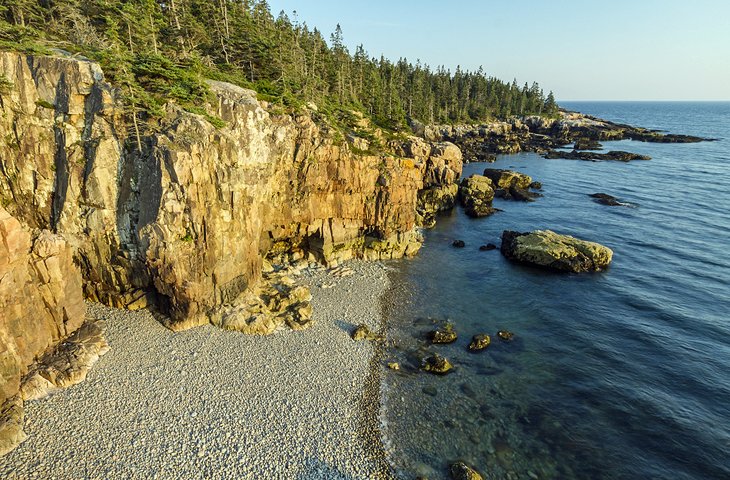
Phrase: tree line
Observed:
(160, 50)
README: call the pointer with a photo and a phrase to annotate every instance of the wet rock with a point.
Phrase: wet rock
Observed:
(479, 342)
(458, 244)
(504, 179)
(476, 195)
(547, 249)
(437, 364)
(488, 247)
(505, 335)
(462, 471)
(606, 199)
(536, 185)
(363, 332)
(585, 143)
(617, 156)
(515, 193)
(394, 365)
(446, 334)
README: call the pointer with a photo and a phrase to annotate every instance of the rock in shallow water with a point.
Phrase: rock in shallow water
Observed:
(476, 195)
(437, 364)
(547, 249)
(458, 244)
(462, 471)
(446, 334)
(479, 342)
(363, 332)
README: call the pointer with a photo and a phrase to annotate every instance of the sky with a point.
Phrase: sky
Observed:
(581, 50)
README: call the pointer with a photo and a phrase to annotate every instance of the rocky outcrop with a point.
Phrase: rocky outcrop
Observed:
(41, 302)
(184, 217)
(547, 249)
(540, 134)
(476, 194)
(441, 164)
(614, 155)
(511, 185)
(606, 199)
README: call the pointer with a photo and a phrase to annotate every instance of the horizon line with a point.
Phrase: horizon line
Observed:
(644, 100)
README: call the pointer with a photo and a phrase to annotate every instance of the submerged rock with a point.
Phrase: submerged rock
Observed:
(446, 334)
(505, 335)
(606, 199)
(363, 332)
(476, 195)
(437, 364)
(487, 247)
(479, 342)
(458, 244)
(547, 249)
(462, 471)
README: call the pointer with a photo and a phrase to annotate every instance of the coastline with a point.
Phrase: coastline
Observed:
(221, 404)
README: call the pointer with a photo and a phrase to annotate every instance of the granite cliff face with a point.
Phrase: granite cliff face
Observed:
(186, 220)
(184, 217)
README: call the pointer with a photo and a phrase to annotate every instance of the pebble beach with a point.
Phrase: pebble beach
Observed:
(215, 404)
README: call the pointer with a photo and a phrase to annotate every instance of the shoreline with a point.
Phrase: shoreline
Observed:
(220, 404)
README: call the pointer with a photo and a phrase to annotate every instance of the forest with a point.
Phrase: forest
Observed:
(158, 51)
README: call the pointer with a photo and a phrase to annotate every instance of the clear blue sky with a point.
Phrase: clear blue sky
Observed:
(582, 50)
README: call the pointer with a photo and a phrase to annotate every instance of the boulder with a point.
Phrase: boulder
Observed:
(488, 247)
(505, 335)
(479, 342)
(516, 193)
(462, 471)
(606, 199)
(508, 178)
(363, 332)
(547, 249)
(437, 364)
(446, 334)
(458, 244)
(476, 195)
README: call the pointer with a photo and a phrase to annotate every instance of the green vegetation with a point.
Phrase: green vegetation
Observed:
(158, 51)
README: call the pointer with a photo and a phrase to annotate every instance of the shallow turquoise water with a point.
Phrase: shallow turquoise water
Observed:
(620, 374)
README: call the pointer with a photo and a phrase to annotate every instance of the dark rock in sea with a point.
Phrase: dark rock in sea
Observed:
(585, 143)
(536, 186)
(614, 155)
(515, 193)
(547, 249)
(476, 195)
(458, 244)
(479, 342)
(606, 199)
(505, 335)
(445, 334)
(487, 247)
(363, 332)
(644, 135)
(437, 364)
(430, 390)
(462, 471)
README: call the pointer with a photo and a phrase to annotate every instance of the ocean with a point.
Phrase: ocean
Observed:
(622, 374)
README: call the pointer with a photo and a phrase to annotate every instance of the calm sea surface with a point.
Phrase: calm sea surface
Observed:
(621, 374)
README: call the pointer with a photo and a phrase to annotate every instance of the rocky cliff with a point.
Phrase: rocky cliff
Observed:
(185, 215)
(41, 303)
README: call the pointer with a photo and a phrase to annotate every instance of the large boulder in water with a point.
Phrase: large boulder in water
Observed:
(476, 194)
(547, 249)
(508, 178)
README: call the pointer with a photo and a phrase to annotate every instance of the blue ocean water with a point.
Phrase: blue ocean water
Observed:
(621, 374)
